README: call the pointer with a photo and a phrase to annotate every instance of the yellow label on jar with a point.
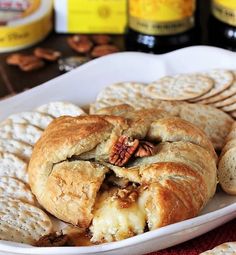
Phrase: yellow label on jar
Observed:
(161, 17)
(97, 16)
(225, 10)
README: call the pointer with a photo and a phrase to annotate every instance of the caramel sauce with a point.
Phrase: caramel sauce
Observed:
(78, 237)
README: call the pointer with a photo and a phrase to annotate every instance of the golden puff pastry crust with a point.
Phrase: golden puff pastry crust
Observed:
(101, 171)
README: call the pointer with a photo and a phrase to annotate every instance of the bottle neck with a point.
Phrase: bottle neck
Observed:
(155, 17)
(225, 11)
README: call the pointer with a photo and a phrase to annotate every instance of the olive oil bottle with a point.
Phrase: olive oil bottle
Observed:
(160, 26)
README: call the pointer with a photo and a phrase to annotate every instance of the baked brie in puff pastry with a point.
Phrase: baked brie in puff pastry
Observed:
(123, 172)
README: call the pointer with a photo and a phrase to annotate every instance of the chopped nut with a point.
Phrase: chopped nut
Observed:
(102, 50)
(122, 150)
(15, 59)
(52, 240)
(145, 149)
(47, 54)
(80, 43)
(101, 39)
(30, 63)
(126, 197)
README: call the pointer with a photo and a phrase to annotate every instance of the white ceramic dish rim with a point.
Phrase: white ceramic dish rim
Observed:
(164, 231)
(229, 210)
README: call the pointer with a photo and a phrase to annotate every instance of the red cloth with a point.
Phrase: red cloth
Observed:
(222, 234)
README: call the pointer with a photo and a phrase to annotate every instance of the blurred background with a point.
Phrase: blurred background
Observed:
(41, 39)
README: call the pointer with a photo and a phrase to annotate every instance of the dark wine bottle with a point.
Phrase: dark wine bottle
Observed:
(160, 26)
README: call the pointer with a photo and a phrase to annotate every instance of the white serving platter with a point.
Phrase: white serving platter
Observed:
(81, 87)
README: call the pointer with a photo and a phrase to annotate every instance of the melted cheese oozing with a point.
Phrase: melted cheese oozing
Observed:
(113, 223)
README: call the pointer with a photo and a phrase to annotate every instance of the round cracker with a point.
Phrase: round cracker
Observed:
(229, 108)
(221, 99)
(144, 102)
(40, 120)
(228, 101)
(215, 123)
(222, 249)
(21, 222)
(223, 79)
(229, 145)
(232, 114)
(179, 87)
(20, 149)
(122, 90)
(11, 165)
(57, 109)
(227, 171)
(12, 187)
(23, 132)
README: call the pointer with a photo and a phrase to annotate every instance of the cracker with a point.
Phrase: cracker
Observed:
(12, 187)
(214, 122)
(40, 120)
(220, 99)
(233, 114)
(122, 90)
(226, 102)
(179, 87)
(223, 79)
(20, 149)
(222, 249)
(23, 132)
(172, 107)
(229, 145)
(229, 108)
(57, 109)
(22, 222)
(11, 165)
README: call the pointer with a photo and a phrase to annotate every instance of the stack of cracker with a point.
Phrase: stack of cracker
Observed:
(168, 94)
(21, 218)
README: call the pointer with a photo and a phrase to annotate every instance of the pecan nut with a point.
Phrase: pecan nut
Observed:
(126, 197)
(101, 39)
(102, 50)
(145, 149)
(15, 59)
(122, 150)
(52, 240)
(47, 54)
(30, 63)
(80, 43)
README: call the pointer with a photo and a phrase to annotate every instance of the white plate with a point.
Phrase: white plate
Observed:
(81, 86)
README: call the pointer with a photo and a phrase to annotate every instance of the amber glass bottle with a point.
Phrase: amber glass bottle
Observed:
(222, 27)
(161, 25)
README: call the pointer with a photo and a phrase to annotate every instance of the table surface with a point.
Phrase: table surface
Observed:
(13, 81)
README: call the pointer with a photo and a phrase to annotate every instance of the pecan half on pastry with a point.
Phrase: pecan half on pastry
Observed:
(145, 149)
(52, 240)
(122, 150)
(126, 197)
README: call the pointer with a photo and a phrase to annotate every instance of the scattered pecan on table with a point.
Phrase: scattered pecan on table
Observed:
(80, 43)
(30, 63)
(47, 54)
(102, 50)
(101, 39)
